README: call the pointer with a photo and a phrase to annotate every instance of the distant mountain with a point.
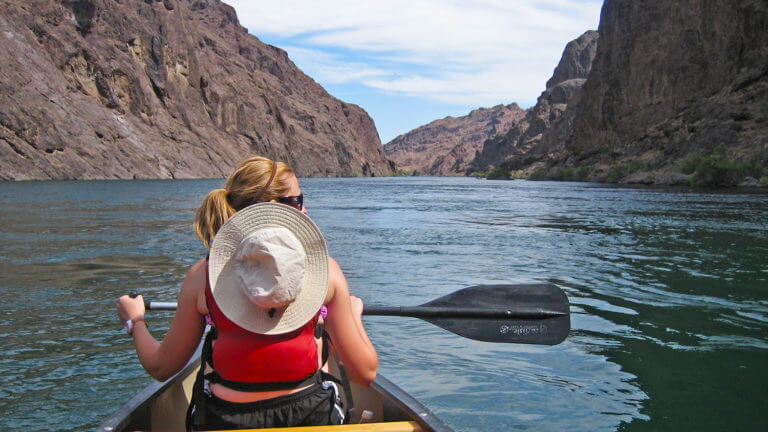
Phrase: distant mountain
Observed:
(448, 146)
(162, 89)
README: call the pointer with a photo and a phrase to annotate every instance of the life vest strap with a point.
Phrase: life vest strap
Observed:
(215, 378)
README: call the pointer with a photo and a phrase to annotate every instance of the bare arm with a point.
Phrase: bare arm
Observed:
(345, 326)
(163, 360)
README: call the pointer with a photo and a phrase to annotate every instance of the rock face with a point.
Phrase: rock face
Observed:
(671, 79)
(448, 146)
(162, 89)
(577, 58)
(545, 125)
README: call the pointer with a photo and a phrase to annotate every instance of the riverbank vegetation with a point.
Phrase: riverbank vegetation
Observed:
(717, 168)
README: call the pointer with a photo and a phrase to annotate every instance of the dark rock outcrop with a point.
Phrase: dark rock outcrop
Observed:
(448, 146)
(671, 79)
(577, 58)
(162, 89)
(542, 131)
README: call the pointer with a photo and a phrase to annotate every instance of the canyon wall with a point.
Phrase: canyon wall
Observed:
(663, 93)
(93, 89)
(672, 79)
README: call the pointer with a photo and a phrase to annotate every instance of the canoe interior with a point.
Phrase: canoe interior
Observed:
(162, 407)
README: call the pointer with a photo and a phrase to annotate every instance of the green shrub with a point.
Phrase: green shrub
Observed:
(690, 164)
(635, 166)
(539, 174)
(583, 172)
(718, 169)
(754, 167)
(562, 174)
(616, 173)
(498, 173)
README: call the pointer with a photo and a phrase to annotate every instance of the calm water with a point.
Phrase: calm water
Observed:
(669, 293)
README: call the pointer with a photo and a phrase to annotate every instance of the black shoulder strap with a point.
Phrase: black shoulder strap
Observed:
(327, 342)
(196, 410)
(320, 333)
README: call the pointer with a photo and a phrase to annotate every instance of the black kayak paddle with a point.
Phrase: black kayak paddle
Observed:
(523, 313)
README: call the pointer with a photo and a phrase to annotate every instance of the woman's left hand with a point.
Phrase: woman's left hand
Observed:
(130, 308)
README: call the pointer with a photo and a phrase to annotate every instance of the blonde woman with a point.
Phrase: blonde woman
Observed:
(261, 362)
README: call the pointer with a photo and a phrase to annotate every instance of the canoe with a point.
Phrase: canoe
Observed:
(162, 406)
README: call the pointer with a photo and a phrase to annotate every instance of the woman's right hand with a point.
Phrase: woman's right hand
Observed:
(357, 306)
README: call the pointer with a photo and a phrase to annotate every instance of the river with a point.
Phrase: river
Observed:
(668, 292)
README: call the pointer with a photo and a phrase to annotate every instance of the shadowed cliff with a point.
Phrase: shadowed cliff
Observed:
(663, 93)
(674, 82)
(677, 94)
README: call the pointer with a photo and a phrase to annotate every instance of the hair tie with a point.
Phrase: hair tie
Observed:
(269, 182)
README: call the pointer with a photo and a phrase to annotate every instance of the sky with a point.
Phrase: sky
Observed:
(410, 62)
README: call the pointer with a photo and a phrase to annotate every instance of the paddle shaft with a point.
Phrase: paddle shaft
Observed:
(167, 306)
(426, 312)
(457, 312)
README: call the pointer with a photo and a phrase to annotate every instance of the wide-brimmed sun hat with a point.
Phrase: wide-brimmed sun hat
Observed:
(268, 268)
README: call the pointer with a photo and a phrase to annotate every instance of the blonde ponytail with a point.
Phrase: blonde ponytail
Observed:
(212, 214)
(256, 179)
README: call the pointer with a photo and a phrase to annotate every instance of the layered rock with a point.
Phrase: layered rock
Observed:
(541, 133)
(448, 146)
(671, 79)
(162, 89)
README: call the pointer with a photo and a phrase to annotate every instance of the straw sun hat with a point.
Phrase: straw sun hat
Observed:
(268, 268)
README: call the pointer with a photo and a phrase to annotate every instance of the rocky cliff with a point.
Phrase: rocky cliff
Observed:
(672, 81)
(448, 146)
(673, 93)
(162, 89)
(541, 132)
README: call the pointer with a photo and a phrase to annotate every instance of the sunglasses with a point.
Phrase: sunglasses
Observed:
(295, 201)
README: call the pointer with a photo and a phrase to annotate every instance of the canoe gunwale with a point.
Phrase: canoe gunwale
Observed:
(390, 393)
(407, 403)
(144, 398)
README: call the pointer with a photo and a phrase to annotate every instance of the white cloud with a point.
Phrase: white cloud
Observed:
(329, 68)
(486, 51)
(480, 88)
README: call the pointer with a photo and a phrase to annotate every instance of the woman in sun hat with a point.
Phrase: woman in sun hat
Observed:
(267, 283)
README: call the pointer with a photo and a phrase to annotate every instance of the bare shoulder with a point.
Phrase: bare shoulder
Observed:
(333, 266)
(194, 283)
(335, 274)
(336, 280)
(198, 270)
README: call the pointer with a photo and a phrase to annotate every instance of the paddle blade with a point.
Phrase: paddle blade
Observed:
(543, 331)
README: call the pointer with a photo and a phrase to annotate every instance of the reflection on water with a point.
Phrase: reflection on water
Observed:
(668, 293)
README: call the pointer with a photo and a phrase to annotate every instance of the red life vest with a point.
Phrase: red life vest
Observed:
(245, 357)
